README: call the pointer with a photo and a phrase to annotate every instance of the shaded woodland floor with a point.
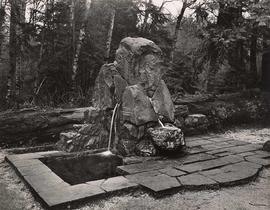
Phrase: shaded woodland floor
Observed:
(15, 196)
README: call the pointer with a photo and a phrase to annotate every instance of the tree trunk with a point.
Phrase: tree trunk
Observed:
(109, 36)
(177, 29)
(253, 55)
(12, 52)
(2, 21)
(79, 44)
(146, 16)
(20, 59)
(16, 17)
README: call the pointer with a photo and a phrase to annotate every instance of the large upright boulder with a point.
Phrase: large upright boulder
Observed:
(137, 59)
(134, 84)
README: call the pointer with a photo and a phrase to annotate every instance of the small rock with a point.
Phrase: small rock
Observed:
(266, 146)
(196, 123)
(146, 148)
(195, 119)
(168, 138)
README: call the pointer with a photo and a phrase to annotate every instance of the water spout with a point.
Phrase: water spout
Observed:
(111, 127)
(159, 121)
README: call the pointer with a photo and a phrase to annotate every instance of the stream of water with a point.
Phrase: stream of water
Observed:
(111, 126)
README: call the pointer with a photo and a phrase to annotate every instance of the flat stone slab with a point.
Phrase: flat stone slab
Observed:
(197, 158)
(159, 183)
(116, 184)
(172, 172)
(232, 158)
(138, 177)
(204, 165)
(60, 196)
(258, 160)
(195, 181)
(233, 174)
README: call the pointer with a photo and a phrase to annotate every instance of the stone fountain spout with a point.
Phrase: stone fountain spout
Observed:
(132, 89)
(135, 81)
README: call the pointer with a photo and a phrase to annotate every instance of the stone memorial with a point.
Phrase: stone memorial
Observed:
(134, 83)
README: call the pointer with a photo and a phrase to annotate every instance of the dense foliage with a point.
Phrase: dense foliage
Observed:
(51, 50)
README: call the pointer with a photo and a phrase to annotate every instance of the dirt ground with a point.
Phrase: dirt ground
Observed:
(14, 195)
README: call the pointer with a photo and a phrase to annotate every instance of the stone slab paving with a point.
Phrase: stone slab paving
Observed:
(160, 183)
(211, 162)
(216, 162)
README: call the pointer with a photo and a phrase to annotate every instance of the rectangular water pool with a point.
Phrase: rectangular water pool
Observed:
(80, 169)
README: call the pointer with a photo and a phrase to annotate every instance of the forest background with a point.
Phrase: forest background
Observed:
(51, 51)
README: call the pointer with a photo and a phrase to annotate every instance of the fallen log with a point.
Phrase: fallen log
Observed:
(37, 125)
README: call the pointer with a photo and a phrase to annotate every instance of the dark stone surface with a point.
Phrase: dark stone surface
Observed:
(266, 146)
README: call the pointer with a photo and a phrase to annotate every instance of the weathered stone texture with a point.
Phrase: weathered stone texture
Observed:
(135, 82)
(137, 107)
(168, 138)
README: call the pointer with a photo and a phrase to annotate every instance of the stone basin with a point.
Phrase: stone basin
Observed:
(84, 168)
(59, 179)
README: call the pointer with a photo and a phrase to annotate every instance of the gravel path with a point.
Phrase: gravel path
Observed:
(15, 196)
